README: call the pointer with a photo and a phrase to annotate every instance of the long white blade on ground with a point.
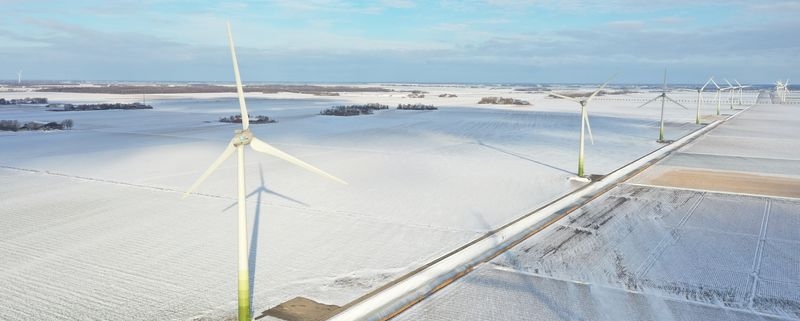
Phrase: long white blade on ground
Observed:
(601, 88)
(676, 103)
(239, 90)
(565, 97)
(265, 148)
(225, 154)
(589, 128)
(649, 101)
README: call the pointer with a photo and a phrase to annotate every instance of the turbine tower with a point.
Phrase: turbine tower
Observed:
(240, 139)
(584, 122)
(700, 98)
(19, 77)
(664, 98)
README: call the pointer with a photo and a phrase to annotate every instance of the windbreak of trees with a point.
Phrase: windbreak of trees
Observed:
(260, 119)
(14, 125)
(353, 110)
(416, 107)
(69, 107)
(503, 101)
(23, 101)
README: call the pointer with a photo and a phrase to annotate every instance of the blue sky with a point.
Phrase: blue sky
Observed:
(503, 41)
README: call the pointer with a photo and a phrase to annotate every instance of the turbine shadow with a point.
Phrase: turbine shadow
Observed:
(524, 157)
(264, 189)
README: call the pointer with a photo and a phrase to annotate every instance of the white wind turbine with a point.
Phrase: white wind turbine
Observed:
(584, 122)
(740, 90)
(240, 139)
(664, 98)
(730, 88)
(19, 77)
(779, 90)
(718, 95)
(700, 98)
(785, 90)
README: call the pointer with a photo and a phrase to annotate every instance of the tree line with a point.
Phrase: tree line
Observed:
(23, 101)
(14, 125)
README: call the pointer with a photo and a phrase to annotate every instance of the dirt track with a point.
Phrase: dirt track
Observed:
(724, 181)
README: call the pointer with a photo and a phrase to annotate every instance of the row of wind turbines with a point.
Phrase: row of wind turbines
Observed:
(781, 89)
(245, 137)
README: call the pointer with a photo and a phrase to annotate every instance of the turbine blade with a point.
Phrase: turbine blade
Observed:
(601, 88)
(649, 101)
(728, 82)
(261, 146)
(715, 83)
(222, 157)
(737, 83)
(706, 84)
(239, 90)
(565, 97)
(589, 128)
(676, 103)
(664, 86)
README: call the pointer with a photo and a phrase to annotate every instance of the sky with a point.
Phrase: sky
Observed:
(435, 41)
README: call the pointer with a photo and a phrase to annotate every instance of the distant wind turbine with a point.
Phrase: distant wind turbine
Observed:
(664, 98)
(740, 90)
(730, 88)
(240, 139)
(780, 90)
(785, 90)
(700, 98)
(19, 77)
(718, 95)
(584, 121)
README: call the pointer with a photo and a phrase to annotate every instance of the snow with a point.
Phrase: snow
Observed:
(95, 228)
(641, 252)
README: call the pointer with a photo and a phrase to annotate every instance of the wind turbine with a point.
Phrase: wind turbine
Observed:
(731, 88)
(584, 122)
(240, 139)
(19, 77)
(740, 90)
(718, 96)
(664, 98)
(785, 90)
(779, 90)
(700, 99)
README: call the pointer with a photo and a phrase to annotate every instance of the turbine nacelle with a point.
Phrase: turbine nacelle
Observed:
(243, 137)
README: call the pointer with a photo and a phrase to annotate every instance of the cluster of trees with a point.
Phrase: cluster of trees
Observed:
(447, 95)
(70, 107)
(260, 119)
(13, 125)
(353, 110)
(503, 101)
(23, 101)
(416, 107)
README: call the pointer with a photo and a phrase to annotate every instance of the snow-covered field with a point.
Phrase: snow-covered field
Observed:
(646, 251)
(94, 227)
